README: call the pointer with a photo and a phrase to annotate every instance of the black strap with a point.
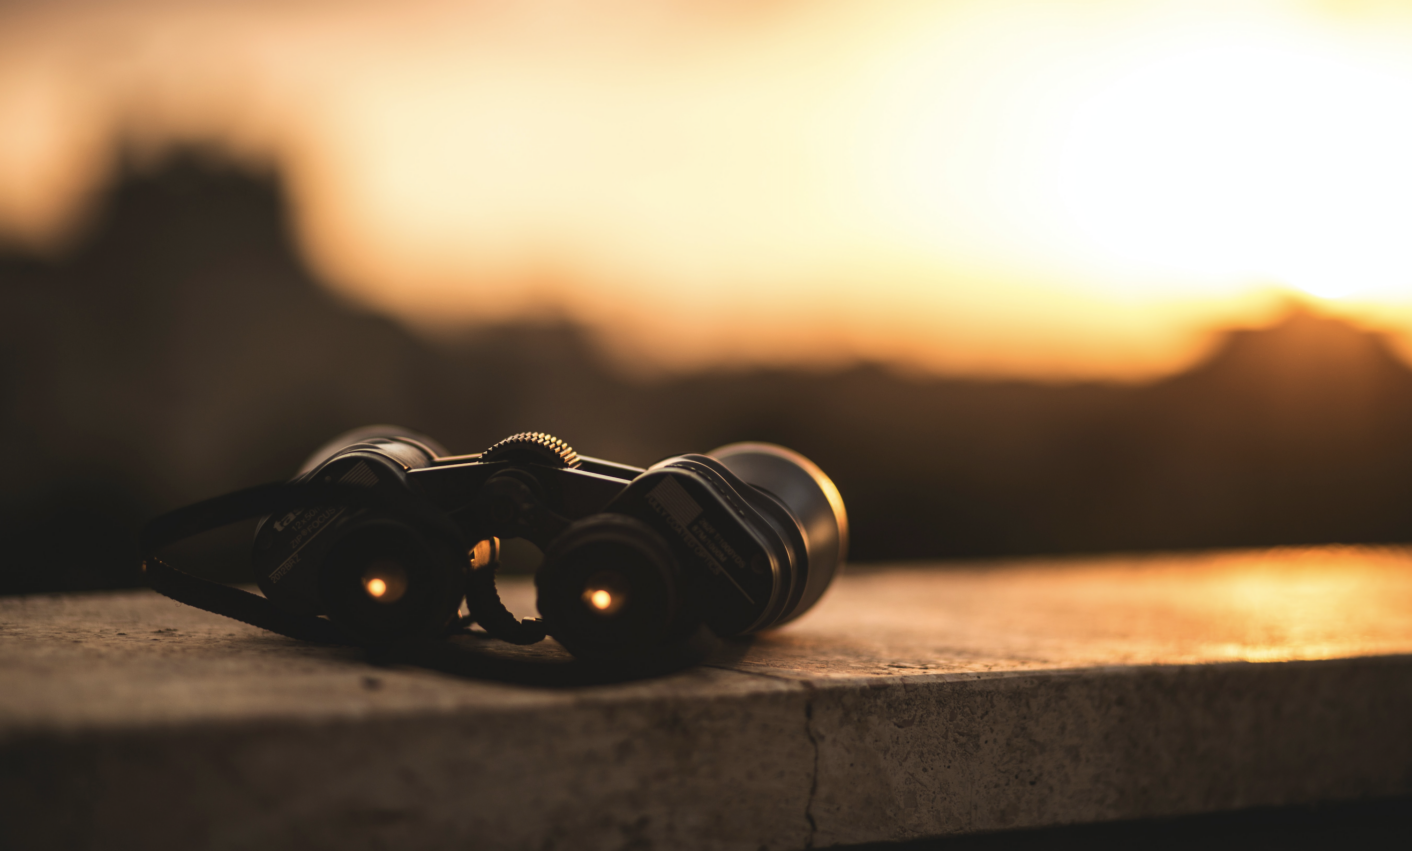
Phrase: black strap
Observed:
(240, 605)
(272, 498)
(210, 514)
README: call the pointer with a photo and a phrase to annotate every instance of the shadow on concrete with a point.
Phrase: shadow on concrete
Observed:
(547, 664)
(1371, 825)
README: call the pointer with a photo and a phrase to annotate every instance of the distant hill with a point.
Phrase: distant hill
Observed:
(182, 348)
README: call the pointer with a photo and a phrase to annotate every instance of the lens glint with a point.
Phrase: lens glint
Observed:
(385, 581)
(605, 593)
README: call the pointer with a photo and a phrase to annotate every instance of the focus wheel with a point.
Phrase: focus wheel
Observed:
(533, 447)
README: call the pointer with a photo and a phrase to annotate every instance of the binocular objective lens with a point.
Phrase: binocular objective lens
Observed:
(608, 588)
(606, 593)
(385, 581)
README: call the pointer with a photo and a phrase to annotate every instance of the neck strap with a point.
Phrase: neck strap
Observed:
(248, 504)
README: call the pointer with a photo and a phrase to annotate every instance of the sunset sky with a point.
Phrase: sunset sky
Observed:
(1052, 189)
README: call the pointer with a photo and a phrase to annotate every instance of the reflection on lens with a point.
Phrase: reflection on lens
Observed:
(605, 593)
(385, 581)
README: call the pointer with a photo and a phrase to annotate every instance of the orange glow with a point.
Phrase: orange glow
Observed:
(1050, 189)
(376, 587)
(1255, 606)
(600, 600)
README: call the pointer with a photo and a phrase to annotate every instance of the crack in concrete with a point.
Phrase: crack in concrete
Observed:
(808, 733)
(814, 777)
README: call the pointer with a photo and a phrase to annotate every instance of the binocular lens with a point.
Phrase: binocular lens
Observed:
(608, 586)
(383, 581)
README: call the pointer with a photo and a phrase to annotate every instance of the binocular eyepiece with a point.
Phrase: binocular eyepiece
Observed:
(384, 536)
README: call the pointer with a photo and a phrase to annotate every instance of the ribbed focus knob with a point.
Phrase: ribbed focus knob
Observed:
(533, 447)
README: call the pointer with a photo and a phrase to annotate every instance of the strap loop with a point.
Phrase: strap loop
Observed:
(487, 609)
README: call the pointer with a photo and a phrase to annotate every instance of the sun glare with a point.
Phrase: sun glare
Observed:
(1250, 157)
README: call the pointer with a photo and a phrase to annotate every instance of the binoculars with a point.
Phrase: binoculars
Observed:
(383, 537)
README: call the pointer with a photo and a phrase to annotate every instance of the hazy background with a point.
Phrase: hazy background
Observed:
(1023, 277)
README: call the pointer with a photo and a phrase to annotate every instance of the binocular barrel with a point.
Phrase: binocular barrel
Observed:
(381, 577)
(811, 499)
(741, 539)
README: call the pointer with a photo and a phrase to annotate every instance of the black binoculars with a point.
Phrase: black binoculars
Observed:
(384, 536)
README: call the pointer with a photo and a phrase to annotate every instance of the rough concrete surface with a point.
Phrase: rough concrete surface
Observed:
(913, 702)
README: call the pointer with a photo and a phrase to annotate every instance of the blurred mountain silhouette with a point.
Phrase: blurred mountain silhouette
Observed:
(181, 348)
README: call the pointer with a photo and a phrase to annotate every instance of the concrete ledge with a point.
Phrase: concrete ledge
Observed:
(913, 703)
